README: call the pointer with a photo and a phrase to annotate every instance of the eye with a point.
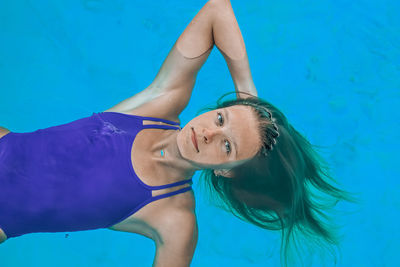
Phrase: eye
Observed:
(228, 147)
(220, 118)
(226, 142)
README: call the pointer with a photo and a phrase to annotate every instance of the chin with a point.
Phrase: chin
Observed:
(182, 143)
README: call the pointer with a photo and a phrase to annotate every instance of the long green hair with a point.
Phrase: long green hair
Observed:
(280, 188)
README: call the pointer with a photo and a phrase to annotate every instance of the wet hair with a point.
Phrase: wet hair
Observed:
(280, 188)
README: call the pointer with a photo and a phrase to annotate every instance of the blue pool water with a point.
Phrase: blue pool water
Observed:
(332, 67)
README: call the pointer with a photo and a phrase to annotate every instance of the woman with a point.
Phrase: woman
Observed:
(129, 168)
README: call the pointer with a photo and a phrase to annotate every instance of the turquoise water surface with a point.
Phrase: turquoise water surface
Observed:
(332, 67)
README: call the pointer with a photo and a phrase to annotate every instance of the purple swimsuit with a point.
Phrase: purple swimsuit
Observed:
(75, 176)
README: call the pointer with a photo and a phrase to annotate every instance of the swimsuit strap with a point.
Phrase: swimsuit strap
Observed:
(171, 193)
(158, 119)
(165, 127)
(142, 118)
(158, 126)
(157, 187)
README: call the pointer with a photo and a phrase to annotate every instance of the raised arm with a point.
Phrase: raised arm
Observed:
(229, 40)
(172, 87)
(216, 24)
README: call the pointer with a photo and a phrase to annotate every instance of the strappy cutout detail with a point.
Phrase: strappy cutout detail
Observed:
(160, 126)
(164, 195)
(157, 123)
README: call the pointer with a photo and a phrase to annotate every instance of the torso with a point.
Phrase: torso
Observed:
(148, 221)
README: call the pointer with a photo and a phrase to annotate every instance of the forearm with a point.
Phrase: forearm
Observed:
(197, 38)
(229, 40)
(216, 24)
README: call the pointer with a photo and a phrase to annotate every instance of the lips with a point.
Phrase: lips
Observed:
(194, 140)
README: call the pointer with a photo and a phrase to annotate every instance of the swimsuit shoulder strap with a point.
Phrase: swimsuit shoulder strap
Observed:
(157, 187)
(160, 126)
(182, 190)
(173, 124)
(161, 120)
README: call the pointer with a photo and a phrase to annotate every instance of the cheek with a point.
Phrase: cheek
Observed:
(210, 155)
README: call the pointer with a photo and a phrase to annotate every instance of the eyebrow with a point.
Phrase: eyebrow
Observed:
(233, 141)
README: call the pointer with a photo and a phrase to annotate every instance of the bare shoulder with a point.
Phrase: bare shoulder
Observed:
(178, 222)
(168, 226)
(179, 226)
(158, 219)
(179, 240)
(149, 110)
(153, 102)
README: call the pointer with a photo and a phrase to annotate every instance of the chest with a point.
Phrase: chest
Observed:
(147, 221)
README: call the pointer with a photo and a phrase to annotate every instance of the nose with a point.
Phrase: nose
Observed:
(210, 134)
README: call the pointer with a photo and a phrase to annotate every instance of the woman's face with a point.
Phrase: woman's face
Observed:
(221, 138)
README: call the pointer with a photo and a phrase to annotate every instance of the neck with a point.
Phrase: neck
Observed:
(172, 158)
